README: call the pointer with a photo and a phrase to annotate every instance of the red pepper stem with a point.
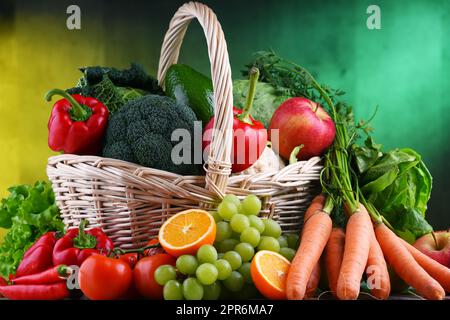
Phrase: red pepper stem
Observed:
(78, 112)
(84, 240)
(119, 251)
(64, 271)
(245, 115)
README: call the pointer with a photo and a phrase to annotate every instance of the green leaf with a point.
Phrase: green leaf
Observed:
(28, 212)
(409, 224)
(386, 163)
(366, 156)
(382, 182)
(399, 186)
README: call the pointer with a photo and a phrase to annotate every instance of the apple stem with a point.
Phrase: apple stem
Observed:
(317, 107)
(435, 240)
(245, 115)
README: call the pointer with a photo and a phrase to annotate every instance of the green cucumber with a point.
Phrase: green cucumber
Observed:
(192, 88)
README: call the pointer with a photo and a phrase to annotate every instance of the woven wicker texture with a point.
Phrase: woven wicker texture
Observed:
(130, 202)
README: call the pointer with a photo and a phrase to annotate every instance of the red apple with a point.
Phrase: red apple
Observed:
(302, 121)
(438, 250)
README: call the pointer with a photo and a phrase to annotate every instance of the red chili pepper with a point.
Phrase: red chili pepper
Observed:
(52, 275)
(39, 256)
(77, 245)
(3, 282)
(249, 135)
(54, 291)
(76, 124)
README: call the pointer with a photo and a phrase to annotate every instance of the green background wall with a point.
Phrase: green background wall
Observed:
(404, 67)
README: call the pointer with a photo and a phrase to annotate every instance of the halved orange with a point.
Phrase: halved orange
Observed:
(187, 231)
(269, 272)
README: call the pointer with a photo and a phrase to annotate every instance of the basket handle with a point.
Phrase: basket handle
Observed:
(218, 167)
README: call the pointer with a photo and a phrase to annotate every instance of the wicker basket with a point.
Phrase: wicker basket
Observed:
(130, 202)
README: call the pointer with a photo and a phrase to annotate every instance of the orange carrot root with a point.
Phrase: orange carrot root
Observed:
(439, 272)
(315, 234)
(356, 253)
(313, 282)
(377, 272)
(315, 207)
(405, 266)
(334, 252)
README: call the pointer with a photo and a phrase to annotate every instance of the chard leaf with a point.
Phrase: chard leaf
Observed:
(366, 156)
(399, 186)
(382, 182)
(409, 224)
(386, 163)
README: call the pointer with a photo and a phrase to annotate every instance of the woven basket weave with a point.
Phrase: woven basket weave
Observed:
(130, 202)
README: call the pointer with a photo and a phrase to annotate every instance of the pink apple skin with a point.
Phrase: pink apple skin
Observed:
(302, 121)
(441, 253)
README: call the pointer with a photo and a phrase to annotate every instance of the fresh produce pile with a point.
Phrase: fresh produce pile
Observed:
(357, 234)
(230, 252)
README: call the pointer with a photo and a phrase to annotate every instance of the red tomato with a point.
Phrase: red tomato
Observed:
(130, 258)
(103, 278)
(143, 275)
(132, 293)
(152, 251)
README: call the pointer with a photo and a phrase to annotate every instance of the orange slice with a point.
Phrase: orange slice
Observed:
(269, 272)
(187, 231)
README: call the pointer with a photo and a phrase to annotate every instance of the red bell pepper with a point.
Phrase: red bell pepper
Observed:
(249, 135)
(76, 124)
(77, 245)
(39, 256)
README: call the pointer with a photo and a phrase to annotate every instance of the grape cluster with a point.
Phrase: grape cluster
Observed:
(225, 266)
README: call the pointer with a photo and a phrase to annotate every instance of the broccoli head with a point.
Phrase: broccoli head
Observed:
(141, 130)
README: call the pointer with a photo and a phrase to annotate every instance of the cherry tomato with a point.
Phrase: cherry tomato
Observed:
(103, 278)
(152, 251)
(130, 258)
(143, 275)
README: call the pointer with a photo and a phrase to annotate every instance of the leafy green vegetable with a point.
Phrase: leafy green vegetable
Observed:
(288, 78)
(267, 99)
(115, 87)
(398, 184)
(28, 212)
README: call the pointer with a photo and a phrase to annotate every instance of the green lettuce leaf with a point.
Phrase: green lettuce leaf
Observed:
(28, 212)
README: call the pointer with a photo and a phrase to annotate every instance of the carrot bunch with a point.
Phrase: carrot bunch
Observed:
(365, 247)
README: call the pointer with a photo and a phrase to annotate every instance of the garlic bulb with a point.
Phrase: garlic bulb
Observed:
(268, 161)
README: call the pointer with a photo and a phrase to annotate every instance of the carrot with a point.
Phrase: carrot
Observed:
(313, 282)
(356, 252)
(315, 234)
(334, 252)
(439, 272)
(319, 198)
(405, 266)
(316, 205)
(377, 272)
